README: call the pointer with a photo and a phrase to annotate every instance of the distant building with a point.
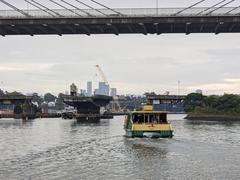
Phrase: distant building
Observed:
(199, 91)
(73, 89)
(89, 88)
(35, 94)
(113, 92)
(83, 92)
(66, 92)
(103, 89)
(29, 94)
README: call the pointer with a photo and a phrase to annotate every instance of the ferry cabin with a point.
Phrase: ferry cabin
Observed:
(142, 123)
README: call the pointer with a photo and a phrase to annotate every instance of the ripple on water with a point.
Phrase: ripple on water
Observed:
(58, 149)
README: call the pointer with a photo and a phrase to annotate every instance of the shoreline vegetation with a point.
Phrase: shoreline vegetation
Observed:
(213, 108)
(212, 117)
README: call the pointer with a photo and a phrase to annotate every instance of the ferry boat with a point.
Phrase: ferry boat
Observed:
(148, 123)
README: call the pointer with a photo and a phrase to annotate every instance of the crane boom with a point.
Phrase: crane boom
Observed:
(102, 74)
(116, 106)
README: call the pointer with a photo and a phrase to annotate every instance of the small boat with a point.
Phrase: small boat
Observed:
(148, 123)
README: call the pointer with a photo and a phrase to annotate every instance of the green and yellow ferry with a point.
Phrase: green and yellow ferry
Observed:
(148, 123)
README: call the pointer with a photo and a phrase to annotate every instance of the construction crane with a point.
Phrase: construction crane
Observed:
(116, 106)
(102, 74)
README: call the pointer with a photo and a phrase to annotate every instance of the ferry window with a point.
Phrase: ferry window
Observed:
(151, 118)
(138, 118)
(163, 118)
(155, 118)
(145, 118)
(133, 117)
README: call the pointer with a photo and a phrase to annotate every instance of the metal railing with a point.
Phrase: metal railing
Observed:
(134, 12)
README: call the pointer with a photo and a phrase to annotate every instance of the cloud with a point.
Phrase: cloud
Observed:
(22, 66)
(10, 68)
(232, 80)
(217, 88)
(222, 53)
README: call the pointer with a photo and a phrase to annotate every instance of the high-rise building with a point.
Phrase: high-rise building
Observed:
(103, 89)
(89, 88)
(113, 92)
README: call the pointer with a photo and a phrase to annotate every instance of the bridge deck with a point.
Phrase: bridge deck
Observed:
(127, 12)
(129, 21)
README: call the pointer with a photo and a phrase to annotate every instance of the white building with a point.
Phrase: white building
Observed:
(103, 89)
(113, 92)
(199, 91)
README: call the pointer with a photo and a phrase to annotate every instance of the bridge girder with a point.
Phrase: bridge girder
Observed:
(120, 25)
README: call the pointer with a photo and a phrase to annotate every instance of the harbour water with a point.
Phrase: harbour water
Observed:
(65, 150)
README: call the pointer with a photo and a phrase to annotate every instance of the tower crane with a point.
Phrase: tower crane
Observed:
(102, 74)
(115, 98)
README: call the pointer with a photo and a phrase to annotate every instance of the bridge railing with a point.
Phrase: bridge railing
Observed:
(128, 12)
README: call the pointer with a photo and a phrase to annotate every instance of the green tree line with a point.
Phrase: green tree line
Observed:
(225, 104)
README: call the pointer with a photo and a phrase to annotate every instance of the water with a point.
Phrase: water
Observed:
(63, 150)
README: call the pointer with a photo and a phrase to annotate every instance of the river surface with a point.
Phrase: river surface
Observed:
(65, 150)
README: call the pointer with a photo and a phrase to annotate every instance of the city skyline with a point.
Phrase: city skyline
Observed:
(134, 64)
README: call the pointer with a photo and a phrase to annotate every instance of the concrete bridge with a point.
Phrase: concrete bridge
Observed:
(120, 21)
(14, 99)
(170, 103)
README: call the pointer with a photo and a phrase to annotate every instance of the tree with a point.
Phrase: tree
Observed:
(59, 102)
(18, 109)
(48, 97)
(192, 101)
(228, 103)
(211, 101)
(2, 93)
(15, 93)
(37, 99)
(60, 96)
(146, 94)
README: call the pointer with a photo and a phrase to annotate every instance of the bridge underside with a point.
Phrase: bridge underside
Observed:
(120, 25)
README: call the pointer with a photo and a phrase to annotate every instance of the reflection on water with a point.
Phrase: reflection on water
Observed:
(18, 123)
(66, 149)
(145, 148)
(92, 123)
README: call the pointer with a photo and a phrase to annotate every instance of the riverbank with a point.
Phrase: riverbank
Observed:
(30, 116)
(213, 117)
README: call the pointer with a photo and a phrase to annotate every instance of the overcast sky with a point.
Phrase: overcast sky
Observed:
(133, 64)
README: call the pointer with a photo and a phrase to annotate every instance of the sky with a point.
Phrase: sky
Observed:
(134, 64)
